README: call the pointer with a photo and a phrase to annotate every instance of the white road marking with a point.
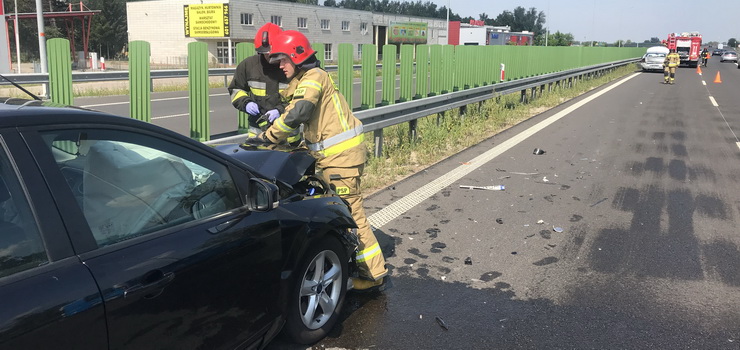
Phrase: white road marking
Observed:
(738, 144)
(155, 100)
(714, 102)
(409, 201)
(174, 116)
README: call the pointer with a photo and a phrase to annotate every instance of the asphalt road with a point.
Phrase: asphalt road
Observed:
(644, 180)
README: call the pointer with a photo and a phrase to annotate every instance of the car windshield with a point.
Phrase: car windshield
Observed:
(653, 55)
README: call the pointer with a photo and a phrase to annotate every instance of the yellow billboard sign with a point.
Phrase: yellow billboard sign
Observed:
(206, 20)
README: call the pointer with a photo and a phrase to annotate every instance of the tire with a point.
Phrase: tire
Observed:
(311, 315)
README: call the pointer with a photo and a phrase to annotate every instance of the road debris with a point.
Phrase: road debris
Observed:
(538, 151)
(515, 173)
(599, 202)
(441, 323)
(557, 229)
(490, 188)
(468, 261)
(500, 220)
(540, 222)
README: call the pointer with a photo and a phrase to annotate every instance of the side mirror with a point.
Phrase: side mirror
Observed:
(262, 195)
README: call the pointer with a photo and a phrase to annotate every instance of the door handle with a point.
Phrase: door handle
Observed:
(156, 280)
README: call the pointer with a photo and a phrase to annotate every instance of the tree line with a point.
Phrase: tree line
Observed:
(108, 33)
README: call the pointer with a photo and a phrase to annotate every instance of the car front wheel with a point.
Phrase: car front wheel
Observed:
(318, 294)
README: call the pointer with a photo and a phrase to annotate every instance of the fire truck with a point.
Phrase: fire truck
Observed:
(687, 45)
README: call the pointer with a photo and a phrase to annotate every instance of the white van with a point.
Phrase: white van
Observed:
(653, 58)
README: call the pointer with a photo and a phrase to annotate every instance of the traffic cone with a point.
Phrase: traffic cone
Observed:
(698, 69)
(717, 79)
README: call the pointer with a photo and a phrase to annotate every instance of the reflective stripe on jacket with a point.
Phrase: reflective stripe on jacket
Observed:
(332, 132)
(256, 80)
(672, 60)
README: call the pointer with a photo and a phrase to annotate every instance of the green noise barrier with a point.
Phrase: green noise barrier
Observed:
(198, 91)
(139, 73)
(346, 71)
(389, 75)
(60, 71)
(407, 72)
(368, 76)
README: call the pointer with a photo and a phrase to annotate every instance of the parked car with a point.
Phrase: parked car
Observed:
(121, 234)
(653, 58)
(717, 52)
(728, 56)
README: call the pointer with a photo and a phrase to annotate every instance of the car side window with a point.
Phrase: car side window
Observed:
(21, 247)
(130, 184)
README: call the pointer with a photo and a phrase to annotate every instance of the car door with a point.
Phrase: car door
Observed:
(48, 298)
(181, 262)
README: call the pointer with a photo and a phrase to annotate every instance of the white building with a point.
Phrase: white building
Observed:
(162, 24)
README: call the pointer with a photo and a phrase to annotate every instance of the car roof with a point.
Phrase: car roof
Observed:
(24, 112)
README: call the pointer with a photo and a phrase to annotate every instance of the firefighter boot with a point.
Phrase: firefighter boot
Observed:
(360, 285)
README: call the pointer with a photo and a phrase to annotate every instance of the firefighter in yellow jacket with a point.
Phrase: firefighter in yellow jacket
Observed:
(672, 60)
(333, 135)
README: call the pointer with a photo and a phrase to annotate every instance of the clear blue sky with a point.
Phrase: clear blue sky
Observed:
(610, 20)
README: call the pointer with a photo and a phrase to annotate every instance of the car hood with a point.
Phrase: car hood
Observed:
(283, 163)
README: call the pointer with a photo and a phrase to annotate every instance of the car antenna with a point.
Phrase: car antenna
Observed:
(22, 89)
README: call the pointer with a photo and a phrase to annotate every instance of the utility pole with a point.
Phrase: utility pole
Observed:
(17, 39)
(42, 35)
(448, 21)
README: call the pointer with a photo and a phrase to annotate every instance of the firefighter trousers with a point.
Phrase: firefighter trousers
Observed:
(669, 72)
(346, 182)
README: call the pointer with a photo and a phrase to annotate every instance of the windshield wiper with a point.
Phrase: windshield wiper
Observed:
(21, 87)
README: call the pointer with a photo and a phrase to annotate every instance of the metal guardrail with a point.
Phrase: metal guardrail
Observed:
(86, 77)
(376, 119)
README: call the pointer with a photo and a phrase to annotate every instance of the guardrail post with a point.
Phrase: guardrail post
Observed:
(389, 75)
(368, 76)
(378, 136)
(198, 91)
(243, 50)
(139, 72)
(523, 97)
(407, 72)
(345, 68)
(422, 71)
(412, 130)
(60, 71)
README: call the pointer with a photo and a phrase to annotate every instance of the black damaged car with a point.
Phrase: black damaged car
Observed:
(121, 234)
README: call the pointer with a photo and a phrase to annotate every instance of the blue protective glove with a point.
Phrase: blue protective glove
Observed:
(272, 115)
(252, 108)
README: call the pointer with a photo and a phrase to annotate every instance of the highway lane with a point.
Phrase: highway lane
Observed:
(170, 109)
(644, 181)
